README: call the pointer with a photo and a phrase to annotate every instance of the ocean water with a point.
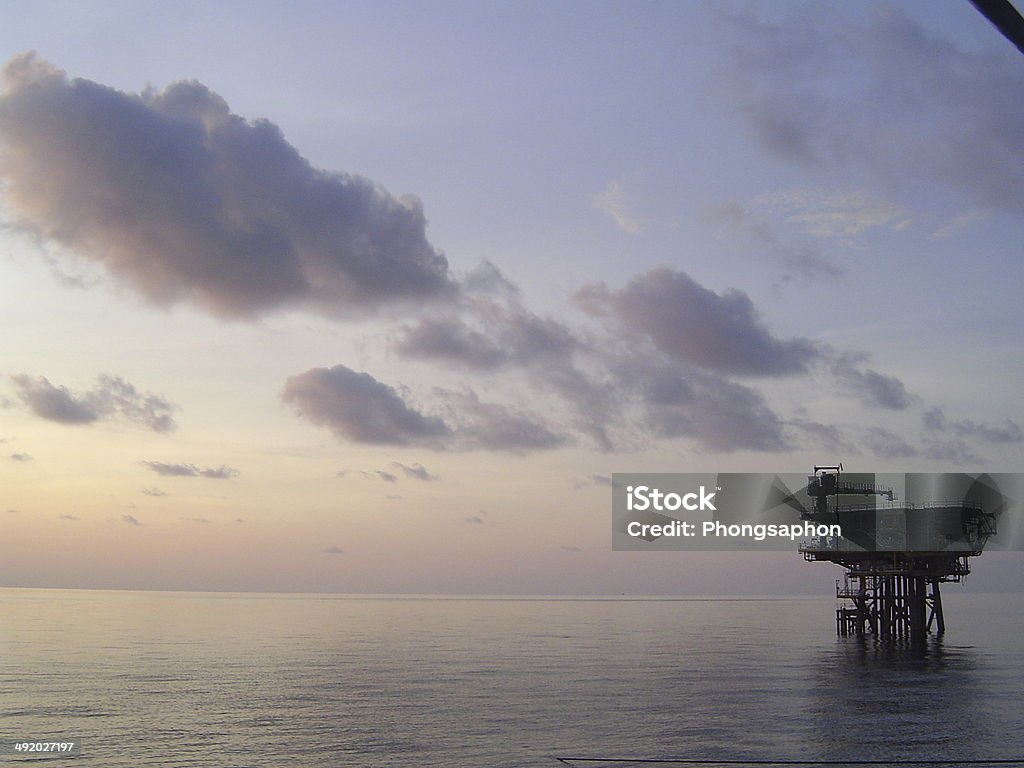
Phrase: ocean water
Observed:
(212, 680)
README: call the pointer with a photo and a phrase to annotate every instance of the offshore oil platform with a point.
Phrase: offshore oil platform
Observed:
(896, 553)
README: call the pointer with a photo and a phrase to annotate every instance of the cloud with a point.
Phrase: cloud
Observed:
(495, 335)
(958, 224)
(834, 214)
(53, 403)
(334, 550)
(360, 409)
(871, 387)
(496, 427)
(716, 332)
(130, 519)
(183, 201)
(888, 445)
(486, 278)
(957, 123)
(155, 492)
(222, 472)
(800, 262)
(450, 338)
(717, 413)
(387, 477)
(612, 201)
(111, 397)
(950, 451)
(601, 378)
(357, 408)
(20, 457)
(825, 436)
(415, 471)
(67, 517)
(1008, 432)
(473, 519)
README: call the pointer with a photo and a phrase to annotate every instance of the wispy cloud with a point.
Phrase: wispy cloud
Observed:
(834, 214)
(958, 123)
(800, 262)
(958, 223)
(612, 201)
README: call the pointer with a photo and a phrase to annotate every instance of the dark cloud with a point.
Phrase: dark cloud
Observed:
(474, 520)
(888, 445)
(505, 334)
(496, 427)
(719, 414)
(387, 477)
(53, 403)
(184, 201)
(111, 397)
(222, 472)
(825, 436)
(1009, 432)
(20, 457)
(415, 471)
(717, 332)
(130, 519)
(957, 122)
(871, 387)
(951, 451)
(450, 339)
(334, 550)
(360, 409)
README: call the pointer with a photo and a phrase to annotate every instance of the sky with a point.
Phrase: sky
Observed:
(375, 297)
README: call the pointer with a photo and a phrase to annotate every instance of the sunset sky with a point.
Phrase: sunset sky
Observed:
(375, 297)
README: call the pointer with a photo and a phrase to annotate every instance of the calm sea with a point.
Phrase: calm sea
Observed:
(175, 679)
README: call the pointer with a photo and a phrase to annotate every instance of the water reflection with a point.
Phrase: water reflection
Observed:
(875, 700)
